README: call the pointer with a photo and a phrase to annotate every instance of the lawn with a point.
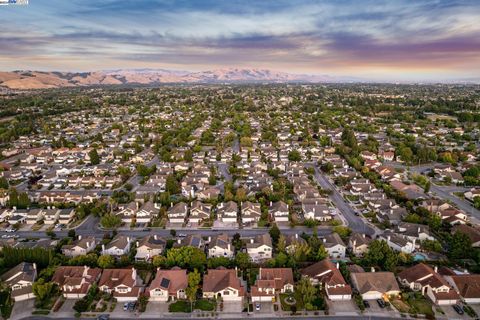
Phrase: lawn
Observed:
(180, 306)
(413, 304)
(185, 306)
(286, 306)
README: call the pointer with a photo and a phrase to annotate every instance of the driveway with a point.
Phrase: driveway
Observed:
(265, 307)
(347, 308)
(232, 306)
(22, 309)
(450, 313)
(156, 308)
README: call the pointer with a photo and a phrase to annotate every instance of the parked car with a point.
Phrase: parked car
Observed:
(458, 309)
(381, 303)
(103, 317)
(131, 306)
(257, 306)
(366, 304)
(125, 306)
(11, 229)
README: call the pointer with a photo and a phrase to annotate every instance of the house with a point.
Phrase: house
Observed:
(177, 213)
(472, 194)
(199, 212)
(65, 216)
(123, 284)
(250, 212)
(473, 233)
(260, 248)
(414, 231)
(330, 278)
(119, 246)
(422, 277)
(192, 240)
(467, 286)
(272, 281)
(375, 285)
(79, 247)
(223, 283)
(149, 247)
(335, 246)
(146, 213)
(20, 280)
(292, 241)
(398, 243)
(227, 212)
(127, 213)
(219, 246)
(316, 211)
(358, 244)
(168, 285)
(74, 282)
(279, 211)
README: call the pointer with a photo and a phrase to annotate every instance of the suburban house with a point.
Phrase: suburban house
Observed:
(199, 212)
(168, 285)
(316, 211)
(375, 285)
(335, 246)
(79, 247)
(279, 211)
(358, 244)
(250, 212)
(424, 278)
(398, 243)
(149, 247)
(119, 246)
(223, 283)
(123, 284)
(292, 241)
(467, 286)
(177, 213)
(329, 277)
(414, 231)
(227, 212)
(74, 281)
(20, 280)
(219, 246)
(260, 248)
(272, 281)
(145, 214)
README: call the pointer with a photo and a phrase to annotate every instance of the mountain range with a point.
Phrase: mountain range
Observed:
(25, 80)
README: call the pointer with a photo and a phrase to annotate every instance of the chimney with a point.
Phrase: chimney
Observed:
(287, 206)
(209, 238)
(103, 248)
(88, 244)
(354, 242)
(436, 269)
(179, 241)
(418, 231)
(137, 243)
(324, 240)
(155, 237)
(228, 247)
(79, 237)
(338, 265)
(171, 204)
(134, 274)
(271, 203)
(388, 238)
(138, 205)
(260, 274)
(34, 265)
(296, 235)
(363, 235)
(372, 269)
(251, 240)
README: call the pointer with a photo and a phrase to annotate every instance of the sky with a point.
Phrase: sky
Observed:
(402, 40)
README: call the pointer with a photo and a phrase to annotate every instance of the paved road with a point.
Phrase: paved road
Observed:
(356, 223)
(240, 317)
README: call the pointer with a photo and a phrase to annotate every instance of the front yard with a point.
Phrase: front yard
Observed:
(185, 306)
(413, 303)
(318, 303)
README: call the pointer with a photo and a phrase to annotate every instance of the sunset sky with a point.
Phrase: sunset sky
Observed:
(376, 40)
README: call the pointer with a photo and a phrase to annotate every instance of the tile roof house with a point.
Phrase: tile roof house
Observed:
(20, 280)
(119, 246)
(168, 284)
(123, 284)
(223, 283)
(422, 277)
(219, 246)
(260, 248)
(358, 244)
(375, 285)
(149, 247)
(467, 286)
(81, 246)
(330, 278)
(74, 281)
(272, 281)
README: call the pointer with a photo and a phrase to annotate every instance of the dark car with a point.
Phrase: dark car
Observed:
(103, 317)
(458, 309)
(381, 303)
(366, 304)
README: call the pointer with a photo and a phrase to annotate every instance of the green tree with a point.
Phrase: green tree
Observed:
(342, 231)
(306, 289)
(294, 155)
(42, 289)
(4, 183)
(106, 261)
(274, 233)
(187, 257)
(460, 246)
(171, 185)
(159, 261)
(380, 254)
(242, 260)
(110, 221)
(94, 157)
(192, 288)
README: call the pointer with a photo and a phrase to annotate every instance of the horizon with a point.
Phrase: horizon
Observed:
(388, 41)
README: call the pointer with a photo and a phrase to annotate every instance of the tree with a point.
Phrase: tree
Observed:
(187, 257)
(42, 289)
(171, 185)
(159, 261)
(348, 138)
(106, 261)
(242, 260)
(380, 254)
(282, 244)
(294, 155)
(274, 233)
(306, 289)
(94, 157)
(460, 246)
(192, 288)
(342, 231)
(427, 187)
(110, 221)
(4, 183)
(321, 253)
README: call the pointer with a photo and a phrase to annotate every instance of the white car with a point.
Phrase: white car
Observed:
(10, 229)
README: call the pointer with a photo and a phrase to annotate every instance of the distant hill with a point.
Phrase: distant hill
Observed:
(23, 80)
